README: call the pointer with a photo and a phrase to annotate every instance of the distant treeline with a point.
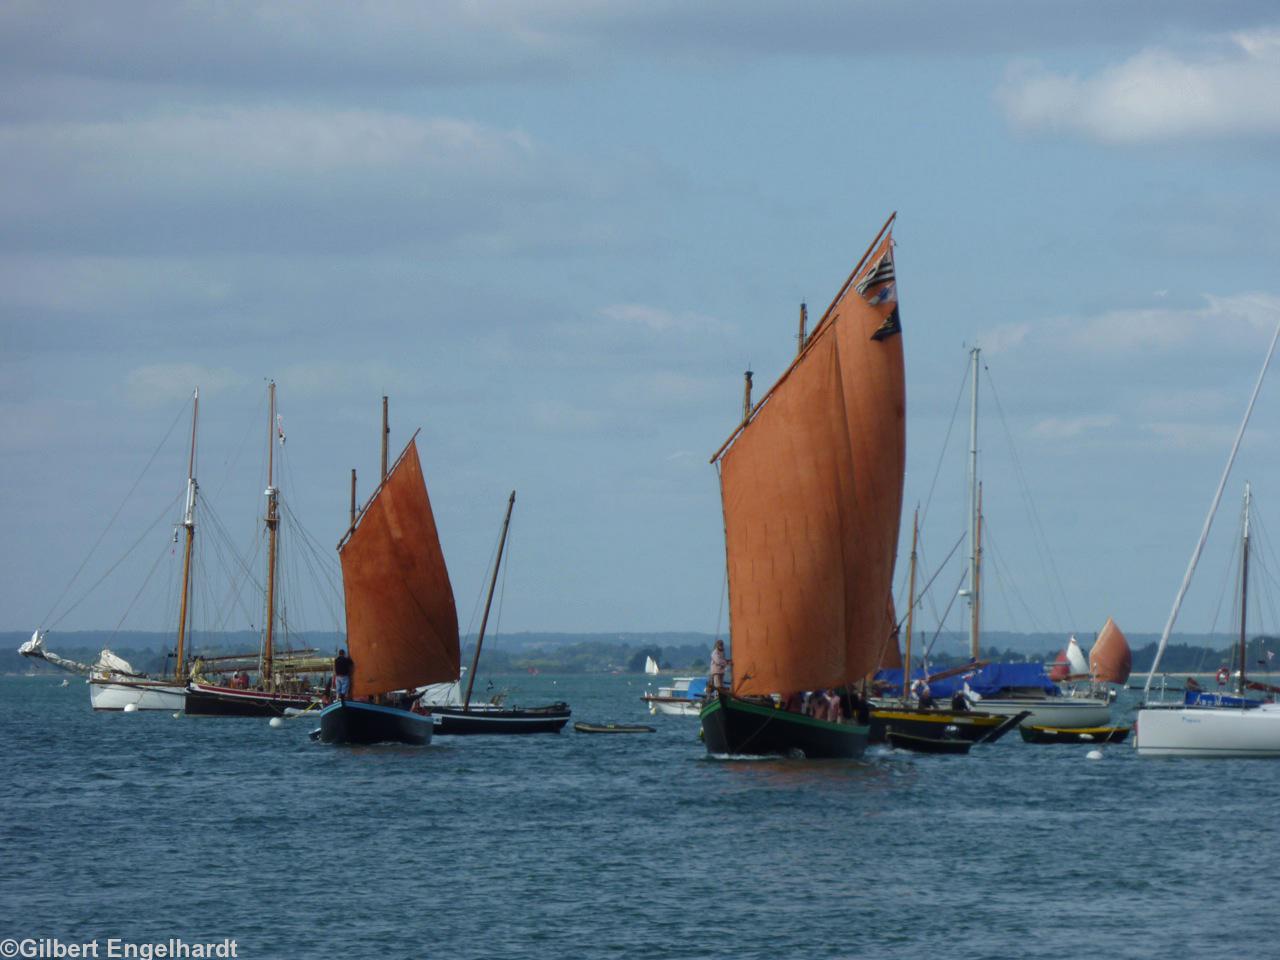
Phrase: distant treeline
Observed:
(619, 652)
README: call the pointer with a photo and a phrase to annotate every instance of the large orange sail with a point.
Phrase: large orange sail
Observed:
(1110, 660)
(812, 495)
(402, 625)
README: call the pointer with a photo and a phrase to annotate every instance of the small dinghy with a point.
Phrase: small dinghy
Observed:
(613, 728)
(908, 741)
(1074, 734)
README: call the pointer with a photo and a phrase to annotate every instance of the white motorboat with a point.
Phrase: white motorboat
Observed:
(682, 699)
(116, 693)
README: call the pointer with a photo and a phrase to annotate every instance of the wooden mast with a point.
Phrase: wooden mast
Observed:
(188, 521)
(804, 322)
(975, 509)
(484, 620)
(911, 605)
(353, 498)
(267, 676)
(1244, 589)
(386, 432)
(746, 396)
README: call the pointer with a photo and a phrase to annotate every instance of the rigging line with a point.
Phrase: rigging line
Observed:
(1006, 581)
(110, 570)
(1029, 503)
(955, 412)
(115, 516)
(1265, 556)
(1208, 520)
(934, 639)
(475, 610)
(925, 590)
(154, 566)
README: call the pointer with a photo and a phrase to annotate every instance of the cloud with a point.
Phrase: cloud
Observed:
(1225, 90)
(1223, 320)
(661, 322)
(285, 178)
(1004, 338)
(1199, 436)
(1054, 428)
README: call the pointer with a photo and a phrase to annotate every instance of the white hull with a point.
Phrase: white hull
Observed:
(1066, 712)
(1208, 732)
(143, 694)
(675, 708)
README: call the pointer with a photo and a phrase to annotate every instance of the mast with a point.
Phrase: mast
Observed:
(974, 510)
(1208, 520)
(804, 321)
(493, 582)
(353, 498)
(386, 432)
(267, 676)
(911, 604)
(746, 396)
(975, 623)
(1244, 587)
(188, 521)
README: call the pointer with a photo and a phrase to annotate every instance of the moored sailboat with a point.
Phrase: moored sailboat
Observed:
(495, 718)
(811, 487)
(402, 625)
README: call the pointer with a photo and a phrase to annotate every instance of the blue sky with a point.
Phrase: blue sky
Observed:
(556, 234)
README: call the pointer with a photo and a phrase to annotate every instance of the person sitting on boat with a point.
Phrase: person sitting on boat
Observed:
(924, 696)
(793, 702)
(342, 667)
(958, 702)
(719, 663)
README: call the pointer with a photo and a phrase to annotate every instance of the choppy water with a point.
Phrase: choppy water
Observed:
(144, 827)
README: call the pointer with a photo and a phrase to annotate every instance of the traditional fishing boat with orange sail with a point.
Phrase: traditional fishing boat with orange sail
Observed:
(402, 624)
(811, 486)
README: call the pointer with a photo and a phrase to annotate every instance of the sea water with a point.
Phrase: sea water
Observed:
(145, 828)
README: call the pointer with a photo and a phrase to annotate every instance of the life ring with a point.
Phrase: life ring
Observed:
(1223, 676)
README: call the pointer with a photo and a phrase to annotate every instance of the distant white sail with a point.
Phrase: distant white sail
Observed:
(1075, 657)
(651, 666)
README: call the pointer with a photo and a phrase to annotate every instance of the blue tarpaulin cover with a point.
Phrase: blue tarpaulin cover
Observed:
(985, 681)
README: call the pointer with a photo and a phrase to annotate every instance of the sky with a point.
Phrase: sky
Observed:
(556, 234)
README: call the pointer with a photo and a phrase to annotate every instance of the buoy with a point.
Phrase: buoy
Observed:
(177, 715)
(1094, 754)
(276, 722)
(130, 707)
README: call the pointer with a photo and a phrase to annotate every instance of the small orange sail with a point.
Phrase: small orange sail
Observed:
(812, 492)
(402, 625)
(1061, 668)
(1110, 660)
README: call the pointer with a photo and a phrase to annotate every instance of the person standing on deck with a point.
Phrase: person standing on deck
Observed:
(719, 663)
(342, 667)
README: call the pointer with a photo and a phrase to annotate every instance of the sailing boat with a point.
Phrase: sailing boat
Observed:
(493, 718)
(267, 699)
(811, 487)
(402, 625)
(1214, 725)
(1007, 689)
(113, 689)
(650, 666)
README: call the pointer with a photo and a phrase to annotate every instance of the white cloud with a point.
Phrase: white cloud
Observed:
(656, 320)
(1199, 436)
(1004, 338)
(1225, 90)
(1239, 318)
(1055, 428)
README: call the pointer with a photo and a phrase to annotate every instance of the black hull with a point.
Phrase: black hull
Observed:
(938, 725)
(745, 728)
(905, 741)
(246, 703)
(482, 721)
(613, 728)
(357, 722)
(1074, 735)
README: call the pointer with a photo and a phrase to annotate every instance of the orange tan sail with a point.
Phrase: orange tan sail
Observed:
(1110, 660)
(812, 494)
(402, 625)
